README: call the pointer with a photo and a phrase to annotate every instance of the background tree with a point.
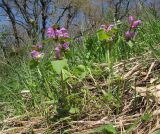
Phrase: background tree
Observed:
(34, 16)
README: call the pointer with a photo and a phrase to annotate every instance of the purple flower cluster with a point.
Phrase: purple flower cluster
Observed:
(57, 33)
(129, 35)
(107, 28)
(133, 25)
(59, 48)
(35, 53)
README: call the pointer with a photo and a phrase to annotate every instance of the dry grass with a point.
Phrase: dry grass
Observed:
(138, 113)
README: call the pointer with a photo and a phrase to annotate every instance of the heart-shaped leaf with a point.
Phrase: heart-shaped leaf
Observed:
(58, 65)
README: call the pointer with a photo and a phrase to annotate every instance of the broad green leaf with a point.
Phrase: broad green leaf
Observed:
(113, 31)
(73, 110)
(102, 35)
(108, 129)
(58, 65)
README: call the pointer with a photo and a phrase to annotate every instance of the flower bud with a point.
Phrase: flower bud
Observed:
(58, 53)
(36, 55)
(129, 35)
(136, 24)
(131, 19)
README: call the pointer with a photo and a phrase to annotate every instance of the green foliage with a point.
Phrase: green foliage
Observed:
(146, 117)
(58, 65)
(73, 110)
(33, 64)
(80, 71)
(106, 129)
(102, 35)
(72, 86)
(158, 132)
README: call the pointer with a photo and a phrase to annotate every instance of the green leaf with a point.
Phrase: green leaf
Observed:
(113, 31)
(66, 74)
(131, 44)
(81, 68)
(50, 102)
(73, 110)
(58, 65)
(108, 129)
(102, 35)
(146, 117)
(108, 96)
(80, 71)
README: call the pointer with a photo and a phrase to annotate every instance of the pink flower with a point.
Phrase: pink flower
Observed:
(102, 26)
(110, 27)
(57, 33)
(58, 49)
(107, 28)
(63, 30)
(62, 33)
(66, 45)
(136, 24)
(129, 35)
(131, 19)
(51, 33)
(66, 35)
(36, 55)
(58, 52)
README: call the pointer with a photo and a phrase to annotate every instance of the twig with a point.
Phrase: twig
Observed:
(149, 71)
(135, 68)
